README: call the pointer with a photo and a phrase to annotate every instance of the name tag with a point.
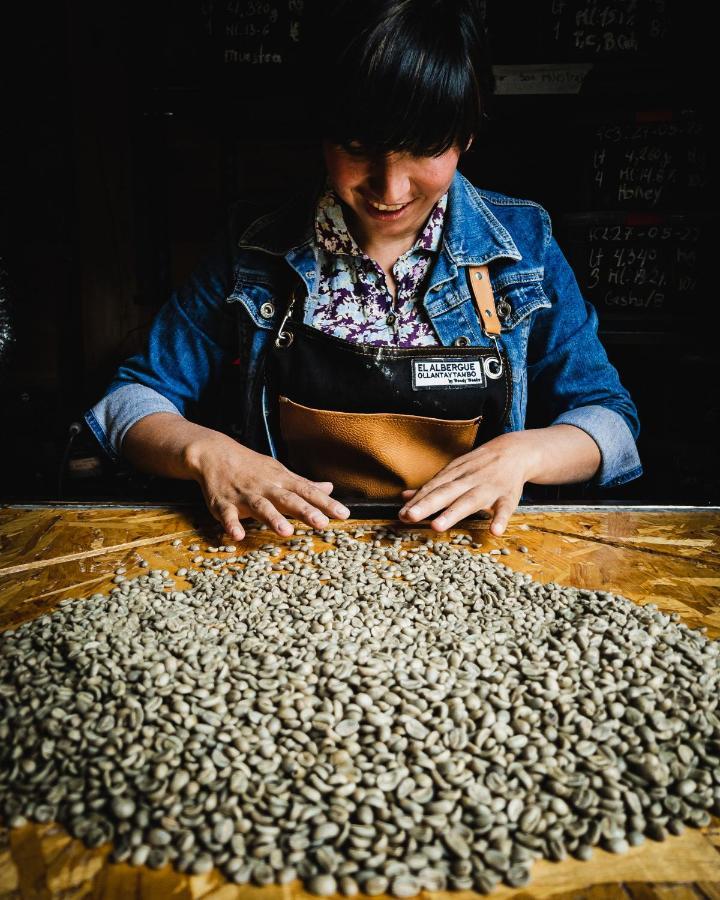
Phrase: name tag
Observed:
(446, 372)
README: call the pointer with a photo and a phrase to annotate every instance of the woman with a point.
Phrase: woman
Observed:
(395, 326)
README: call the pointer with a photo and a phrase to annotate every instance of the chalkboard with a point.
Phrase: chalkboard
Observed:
(646, 160)
(643, 272)
(614, 28)
(245, 48)
(579, 30)
(253, 32)
(251, 46)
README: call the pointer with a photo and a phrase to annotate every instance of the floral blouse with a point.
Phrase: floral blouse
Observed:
(355, 301)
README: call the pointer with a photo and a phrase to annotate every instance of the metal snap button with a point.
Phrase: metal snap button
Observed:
(462, 341)
(493, 367)
(503, 309)
(479, 276)
(267, 310)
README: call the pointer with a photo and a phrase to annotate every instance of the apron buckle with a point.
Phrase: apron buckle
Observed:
(285, 338)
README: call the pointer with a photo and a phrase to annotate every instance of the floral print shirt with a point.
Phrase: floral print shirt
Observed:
(355, 301)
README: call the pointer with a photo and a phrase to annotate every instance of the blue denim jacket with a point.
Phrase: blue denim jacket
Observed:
(206, 344)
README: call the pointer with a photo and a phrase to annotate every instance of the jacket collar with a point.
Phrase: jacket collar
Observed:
(472, 234)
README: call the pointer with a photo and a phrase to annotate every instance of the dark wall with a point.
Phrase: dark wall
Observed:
(139, 126)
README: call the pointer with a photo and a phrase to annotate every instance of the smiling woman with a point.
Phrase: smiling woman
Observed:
(389, 330)
(388, 197)
(407, 97)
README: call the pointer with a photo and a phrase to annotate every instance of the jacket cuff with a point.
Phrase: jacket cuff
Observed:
(112, 417)
(620, 459)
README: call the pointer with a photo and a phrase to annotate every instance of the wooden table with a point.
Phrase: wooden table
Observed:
(669, 557)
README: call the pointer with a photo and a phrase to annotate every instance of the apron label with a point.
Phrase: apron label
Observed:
(446, 372)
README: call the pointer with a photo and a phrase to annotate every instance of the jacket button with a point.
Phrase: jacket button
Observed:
(503, 309)
(391, 318)
(267, 310)
(462, 341)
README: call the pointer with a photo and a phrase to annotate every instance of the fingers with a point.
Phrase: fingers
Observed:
(473, 501)
(299, 508)
(309, 501)
(273, 508)
(434, 498)
(308, 491)
(269, 511)
(265, 511)
(504, 508)
(262, 487)
(466, 504)
(227, 515)
(454, 471)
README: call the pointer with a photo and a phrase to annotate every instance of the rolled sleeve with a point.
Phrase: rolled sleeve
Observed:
(610, 431)
(113, 416)
(572, 381)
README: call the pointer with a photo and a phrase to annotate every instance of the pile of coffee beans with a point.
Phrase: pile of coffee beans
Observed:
(383, 714)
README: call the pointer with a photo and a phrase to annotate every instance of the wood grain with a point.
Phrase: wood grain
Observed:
(669, 558)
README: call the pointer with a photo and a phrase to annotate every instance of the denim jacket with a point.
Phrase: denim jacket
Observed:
(205, 349)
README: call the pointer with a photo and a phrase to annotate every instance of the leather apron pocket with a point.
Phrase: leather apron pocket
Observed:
(407, 450)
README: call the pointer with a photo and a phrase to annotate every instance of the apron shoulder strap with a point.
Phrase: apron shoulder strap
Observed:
(479, 279)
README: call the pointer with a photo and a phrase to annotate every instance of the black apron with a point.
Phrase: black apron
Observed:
(375, 420)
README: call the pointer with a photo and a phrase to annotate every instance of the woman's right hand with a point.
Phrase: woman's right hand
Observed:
(238, 482)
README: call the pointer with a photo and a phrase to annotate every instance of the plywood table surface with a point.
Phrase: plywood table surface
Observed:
(667, 557)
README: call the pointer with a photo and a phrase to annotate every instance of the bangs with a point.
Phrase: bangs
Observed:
(407, 82)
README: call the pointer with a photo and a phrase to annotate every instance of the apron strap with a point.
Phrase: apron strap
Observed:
(479, 279)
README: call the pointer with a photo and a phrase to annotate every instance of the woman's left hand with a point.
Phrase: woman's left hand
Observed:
(490, 478)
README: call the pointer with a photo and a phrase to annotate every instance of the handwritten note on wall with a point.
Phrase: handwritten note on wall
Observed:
(610, 28)
(658, 165)
(640, 269)
(254, 32)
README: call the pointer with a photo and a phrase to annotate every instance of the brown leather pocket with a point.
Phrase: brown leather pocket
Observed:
(372, 456)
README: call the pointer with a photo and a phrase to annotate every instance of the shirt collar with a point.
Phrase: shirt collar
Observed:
(332, 234)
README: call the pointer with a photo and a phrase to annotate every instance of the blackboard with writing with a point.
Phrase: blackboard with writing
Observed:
(245, 48)
(648, 160)
(579, 30)
(612, 28)
(642, 272)
(254, 32)
(201, 44)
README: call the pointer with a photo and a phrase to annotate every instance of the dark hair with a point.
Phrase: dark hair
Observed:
(401, 75)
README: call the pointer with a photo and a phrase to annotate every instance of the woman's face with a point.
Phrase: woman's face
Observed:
(409, 185)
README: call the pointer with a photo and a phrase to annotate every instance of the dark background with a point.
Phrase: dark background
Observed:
(132, 129)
